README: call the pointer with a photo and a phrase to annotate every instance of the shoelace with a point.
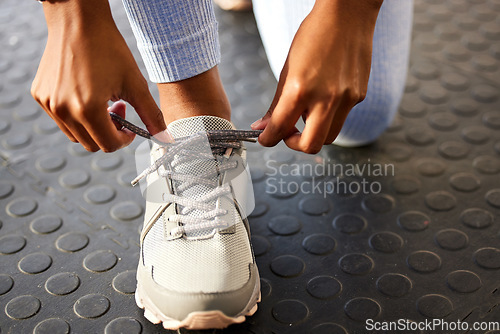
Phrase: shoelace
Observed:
(222, 143)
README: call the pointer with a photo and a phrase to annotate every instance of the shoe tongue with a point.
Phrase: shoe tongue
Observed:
(191, 125)
(187, 127)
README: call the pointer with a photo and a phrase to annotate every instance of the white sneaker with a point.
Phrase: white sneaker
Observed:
(197, 269)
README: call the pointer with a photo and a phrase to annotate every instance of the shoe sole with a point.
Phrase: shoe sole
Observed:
(195, 320)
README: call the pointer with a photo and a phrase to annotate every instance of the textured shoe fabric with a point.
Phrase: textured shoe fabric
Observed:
(207, 269)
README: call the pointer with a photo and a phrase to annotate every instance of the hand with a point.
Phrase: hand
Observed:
(325, 75)
(86, 63)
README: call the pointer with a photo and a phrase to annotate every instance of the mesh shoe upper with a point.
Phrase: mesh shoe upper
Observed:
(203, 261)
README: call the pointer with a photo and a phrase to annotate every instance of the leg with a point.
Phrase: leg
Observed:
(279, 20)
(179, 44)
(200, 95)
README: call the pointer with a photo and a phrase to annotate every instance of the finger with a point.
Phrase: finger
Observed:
(118, 108)
(59, 123)
(338, 121)
(148, 110)
(282, 122)
(102, 130)
(317, 128)
(84, 138)
(63, 128)
(261, 123)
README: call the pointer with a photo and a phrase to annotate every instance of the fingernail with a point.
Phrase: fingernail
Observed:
(164, 136)
(256, 123)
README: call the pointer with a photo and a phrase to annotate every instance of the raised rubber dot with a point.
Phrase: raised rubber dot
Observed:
(265, 288)
(485, 93)
(434, 94)
(314, 206)
(425, 70)
(356, 264)
(6, 283)
(6, 189)
(413, 110)
(454, 81)
(451, 239)
(259, 210)
(430, 167)
(17, 141)
(125, 282)
(107, 162)
(414, 221)
(62, 283)
(406, 185)
(361, 309)
(492, 119)
(476, 218)
(52, 326)
(453, 150)
(440, 201)
(74, 179)
(287, 266)
(123, 325)
(35, 263)
(465, 182)
(290, 311)
(464, 106)
(91, 306)
(72, 242)
(493, 198)
(386, 242)
(319, 244)
(22, 206)
(284, 225)
(488, 257)
(99, 194)
(424, 261)
(260, 245)
(443, 121)
(463, 281)
(487, 164)
(399, 152)
(328, 328)
(475, 135)
(99, 261)
(46, 224)
(50, 164)
(394, 285)
(126, 211)
(378, 203)
(434, 306)
(11, 244)
(22, 307)
(324, 287)
(420, 136)
(349, 223)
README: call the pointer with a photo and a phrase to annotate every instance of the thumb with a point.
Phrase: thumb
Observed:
(147, 109)
(261, 123)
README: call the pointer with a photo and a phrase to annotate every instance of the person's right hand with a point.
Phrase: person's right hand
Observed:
(86, 63)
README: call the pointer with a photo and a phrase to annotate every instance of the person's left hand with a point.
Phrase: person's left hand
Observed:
(325, 75)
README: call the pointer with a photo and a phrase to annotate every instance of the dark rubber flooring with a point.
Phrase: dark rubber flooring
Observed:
(424, 244)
